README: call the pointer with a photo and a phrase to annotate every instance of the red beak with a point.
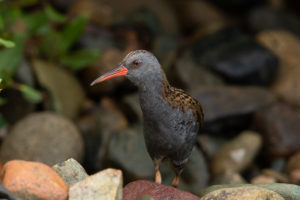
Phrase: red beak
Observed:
(119, 71)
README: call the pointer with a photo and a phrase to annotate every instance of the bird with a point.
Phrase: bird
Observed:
(171, 117)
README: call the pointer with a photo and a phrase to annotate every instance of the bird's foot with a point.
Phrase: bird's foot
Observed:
(157, 177)
(175, 182)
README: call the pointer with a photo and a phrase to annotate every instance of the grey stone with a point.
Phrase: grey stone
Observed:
(127, 150)
(71, 171)
(104, 185)
(236, 155)
(45, 137)
(287, 191)
(244, 192)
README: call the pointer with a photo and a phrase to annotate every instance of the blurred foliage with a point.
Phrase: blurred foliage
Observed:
(42, 33)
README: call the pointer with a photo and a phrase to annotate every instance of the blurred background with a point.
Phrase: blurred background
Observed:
(240, 59)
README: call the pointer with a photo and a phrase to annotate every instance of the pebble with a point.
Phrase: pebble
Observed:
(70, 171)
(287, 47)
(45, 137)
(237, 57)
(33, 180)
(104, 185)
(137, 189)
(245, 193)
(279, 126)
(237, 154)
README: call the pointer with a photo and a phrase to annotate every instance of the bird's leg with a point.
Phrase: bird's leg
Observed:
(175, 181)
(178, 168)
(157, 172)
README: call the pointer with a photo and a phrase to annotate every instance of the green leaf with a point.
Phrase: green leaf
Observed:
(7, 43)
(80, 58)
(35, 21)
(73, 31)
(30, 93)
(54, 15)
(10, 58)
(52, 45)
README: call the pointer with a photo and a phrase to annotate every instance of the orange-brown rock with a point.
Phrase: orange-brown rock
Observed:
(33, 181)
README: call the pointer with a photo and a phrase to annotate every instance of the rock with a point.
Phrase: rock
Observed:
(106, 185)
(236, 57)
(131, 106)
(192, 75)
(210, 144)
(70, 171)
(293, 168)
(287, 191)
(229, 177)
(279, 126)
(279, 177)
(108, 60)
(286, 46)
(263, 179)
(45, 137)
(136, 190)
(237, 154)
(122, 146)
(96, 127)
(7, 195)
(33, 180)
(266, 18)
(234, 115)
(16, 106)
(66, 92)
(295, 176)
(245, 193)
(294, 162)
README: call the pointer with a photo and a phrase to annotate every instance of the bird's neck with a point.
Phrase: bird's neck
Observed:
(154, 86)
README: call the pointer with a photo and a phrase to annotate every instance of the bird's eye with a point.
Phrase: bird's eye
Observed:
(136, 63)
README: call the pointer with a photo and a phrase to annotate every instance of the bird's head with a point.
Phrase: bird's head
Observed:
(138, 66)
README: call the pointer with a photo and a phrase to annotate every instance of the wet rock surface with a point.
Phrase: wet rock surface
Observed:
(279, 125)
(44, 137)
(286, 46)
(96, 127)
(33, 180)
(237, 154)
(236, 57)
(120, 154)
(106, 184)
(136, 190)
(235, 115)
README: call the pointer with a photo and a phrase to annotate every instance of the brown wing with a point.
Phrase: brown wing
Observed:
(179, 99)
